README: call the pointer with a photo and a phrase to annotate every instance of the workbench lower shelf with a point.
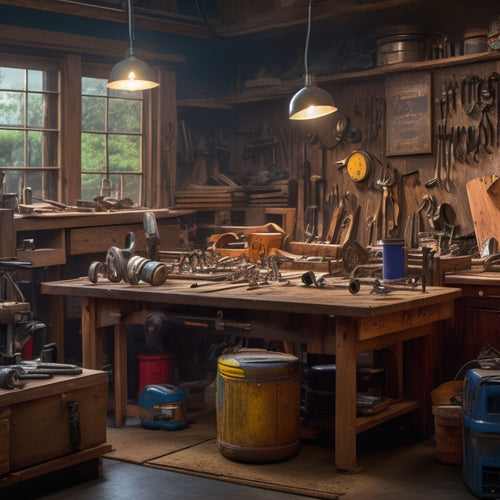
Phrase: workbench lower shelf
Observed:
(395, 408)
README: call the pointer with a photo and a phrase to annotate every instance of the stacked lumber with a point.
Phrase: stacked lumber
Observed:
(274, 194)
(212, 197)
(224, 193)
(267, 197)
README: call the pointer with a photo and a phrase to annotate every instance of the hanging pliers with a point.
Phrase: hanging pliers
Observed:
(486, 132)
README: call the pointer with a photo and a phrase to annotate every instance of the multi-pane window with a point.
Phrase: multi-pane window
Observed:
(29, 131)
(112, 134)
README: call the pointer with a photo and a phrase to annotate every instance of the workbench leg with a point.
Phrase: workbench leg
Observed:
(421, 360)
(92, 348)
(345, 395)
(121, 386)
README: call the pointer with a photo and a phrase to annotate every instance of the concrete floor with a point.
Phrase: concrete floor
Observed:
(405, 472)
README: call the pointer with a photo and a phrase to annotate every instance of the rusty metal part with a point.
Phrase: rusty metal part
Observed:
(366, 270)
(309, 278)
(330, 280)
(385, 288)
(491, 261)
(387, 182)
(352, 255)
(152, 236)
(9, 378)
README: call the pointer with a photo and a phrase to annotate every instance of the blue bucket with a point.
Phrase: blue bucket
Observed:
(393, 258)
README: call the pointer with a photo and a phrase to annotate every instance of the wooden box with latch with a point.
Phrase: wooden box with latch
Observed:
(52, 424)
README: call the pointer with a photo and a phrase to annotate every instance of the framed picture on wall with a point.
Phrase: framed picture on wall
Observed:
(408, 101)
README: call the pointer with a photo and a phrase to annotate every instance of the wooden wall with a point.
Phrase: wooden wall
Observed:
(370, 107)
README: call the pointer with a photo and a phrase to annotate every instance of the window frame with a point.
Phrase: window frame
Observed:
(78, 55)
(37, 64)
(108, 134)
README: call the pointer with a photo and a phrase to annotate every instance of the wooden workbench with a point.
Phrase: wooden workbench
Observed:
(327, 320)
(59, 236)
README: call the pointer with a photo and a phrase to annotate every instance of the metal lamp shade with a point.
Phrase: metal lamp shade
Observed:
(131, 74)
(311, 102)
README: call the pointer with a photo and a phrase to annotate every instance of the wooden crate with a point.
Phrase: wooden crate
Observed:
(34, 425)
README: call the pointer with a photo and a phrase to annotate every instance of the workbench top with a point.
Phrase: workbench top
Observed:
(68, 219)
(473, 277)
(292, 296)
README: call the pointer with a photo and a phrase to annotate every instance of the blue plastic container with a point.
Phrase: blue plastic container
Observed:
(166, 405)
(393, 258)
(481, 425)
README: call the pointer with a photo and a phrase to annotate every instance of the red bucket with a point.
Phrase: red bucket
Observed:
(152, 369)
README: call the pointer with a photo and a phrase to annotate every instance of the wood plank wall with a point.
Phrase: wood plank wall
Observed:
(360, 101)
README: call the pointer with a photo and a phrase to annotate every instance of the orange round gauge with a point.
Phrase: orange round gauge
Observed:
(359, 165)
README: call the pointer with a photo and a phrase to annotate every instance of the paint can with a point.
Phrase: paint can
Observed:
(393, 258)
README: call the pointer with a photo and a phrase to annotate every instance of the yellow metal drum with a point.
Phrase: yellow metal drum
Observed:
(258, 406)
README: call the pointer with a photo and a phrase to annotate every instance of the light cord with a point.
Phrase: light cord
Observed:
(131, 35)
(306, 63)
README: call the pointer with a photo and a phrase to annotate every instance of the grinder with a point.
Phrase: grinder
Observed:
(163, 406)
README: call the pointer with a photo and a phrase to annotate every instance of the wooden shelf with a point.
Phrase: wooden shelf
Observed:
(395, 409)
(288, 87)
(209, 103)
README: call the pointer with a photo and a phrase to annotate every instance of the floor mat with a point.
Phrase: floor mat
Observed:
(309, 473)
(391, 467)
(133, 443)
(194, 451)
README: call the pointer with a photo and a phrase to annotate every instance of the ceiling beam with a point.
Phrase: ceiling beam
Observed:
(190, 26)
(156, 21)
(79, 44)
(297, 15)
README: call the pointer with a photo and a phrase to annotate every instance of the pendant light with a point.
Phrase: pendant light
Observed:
(311, 101)
(131, 73)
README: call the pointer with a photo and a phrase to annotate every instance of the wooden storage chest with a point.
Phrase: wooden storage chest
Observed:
(35, 425)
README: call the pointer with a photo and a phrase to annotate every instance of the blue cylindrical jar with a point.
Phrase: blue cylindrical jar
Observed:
(393, 258)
